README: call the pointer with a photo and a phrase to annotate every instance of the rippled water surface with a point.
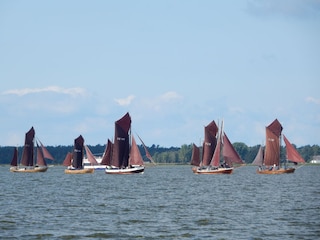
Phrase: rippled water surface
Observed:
(166, 202)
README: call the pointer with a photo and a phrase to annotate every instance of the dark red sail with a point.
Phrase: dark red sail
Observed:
(120, 153)
(292, 153)
(78, 152)
(195, 157)
(40, 158)
(106, 159)
(135, 157)
(272, 148)
(209, 143)
(230, 155)
(68, 160)
(27, 154)
(14, 161)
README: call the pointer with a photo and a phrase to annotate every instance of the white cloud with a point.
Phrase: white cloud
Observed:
(68, 91)
(168, 96)
(125, 101)
(313, 100)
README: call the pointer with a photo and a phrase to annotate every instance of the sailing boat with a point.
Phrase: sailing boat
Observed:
(27, 160)
(126, 157)
(215, 145)
(74, 161)
(268, 159)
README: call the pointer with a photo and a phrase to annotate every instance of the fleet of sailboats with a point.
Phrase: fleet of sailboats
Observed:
(269, 158)
(218, 154)
(33, 158)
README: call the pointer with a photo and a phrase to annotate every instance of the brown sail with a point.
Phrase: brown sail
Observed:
(230, 155)
(67, 160)
(120, 153)
(46, 153)
(27, 154)
(148, 155)
(106, 159)
(135, 155)
(272, 148)
(292, 153)
(210, 142)
(14, 161)
(40, 157)
(92, 160)
(195, 157)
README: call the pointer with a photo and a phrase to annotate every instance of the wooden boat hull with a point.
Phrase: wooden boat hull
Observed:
(79, 171)
(277, 171)
(28, 170)
(214, 171)
(132, 170)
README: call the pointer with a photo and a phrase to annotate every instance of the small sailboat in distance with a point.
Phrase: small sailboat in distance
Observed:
(31, 161)
(269, 158)
(74, 161)
(126, 157)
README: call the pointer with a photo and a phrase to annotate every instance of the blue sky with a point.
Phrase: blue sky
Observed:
(75, 67)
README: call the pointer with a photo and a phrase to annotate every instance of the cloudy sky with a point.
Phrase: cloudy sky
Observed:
(75, 67)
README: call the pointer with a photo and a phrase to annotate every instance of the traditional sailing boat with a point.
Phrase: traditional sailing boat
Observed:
(126, 157)
(215, 144)
(74, 161)
(27, 159)
(268, 159)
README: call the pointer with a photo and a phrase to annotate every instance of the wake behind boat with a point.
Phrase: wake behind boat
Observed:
(29, 162)
(215, 145)
(269, 159)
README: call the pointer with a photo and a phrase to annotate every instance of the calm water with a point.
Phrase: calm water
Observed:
(166, 202)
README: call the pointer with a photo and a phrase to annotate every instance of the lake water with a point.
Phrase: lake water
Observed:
(166, 202)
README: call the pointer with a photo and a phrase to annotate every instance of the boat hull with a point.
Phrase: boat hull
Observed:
(79, 171)
(214, 171)
(28, 170)
(131, 170)
(95, 167)
(277, 171)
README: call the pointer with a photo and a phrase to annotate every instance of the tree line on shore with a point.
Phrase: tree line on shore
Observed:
(163, 155)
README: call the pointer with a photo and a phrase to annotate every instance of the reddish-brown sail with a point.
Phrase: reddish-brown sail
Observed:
(92, 160)
(195, 157)
(67, 160)
(210, 142)
(27, 154)
(292, 153)
(230, 155)
(135, 157)
(215, 162)
(120, 153)
(148, 155)
(40, 158)
(106, 159)
(272, 148)
(45, 152)
(14, 161)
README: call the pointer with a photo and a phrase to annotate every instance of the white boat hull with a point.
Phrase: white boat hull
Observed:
(29, 170)
(131, 170)
(95, 167)
(214, 171)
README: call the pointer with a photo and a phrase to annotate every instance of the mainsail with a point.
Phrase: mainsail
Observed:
(27, 154)
(78, 152)
(272, 148)
(120, 153)
(210, 142)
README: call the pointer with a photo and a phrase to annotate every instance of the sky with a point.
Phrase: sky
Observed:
(75, 67)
